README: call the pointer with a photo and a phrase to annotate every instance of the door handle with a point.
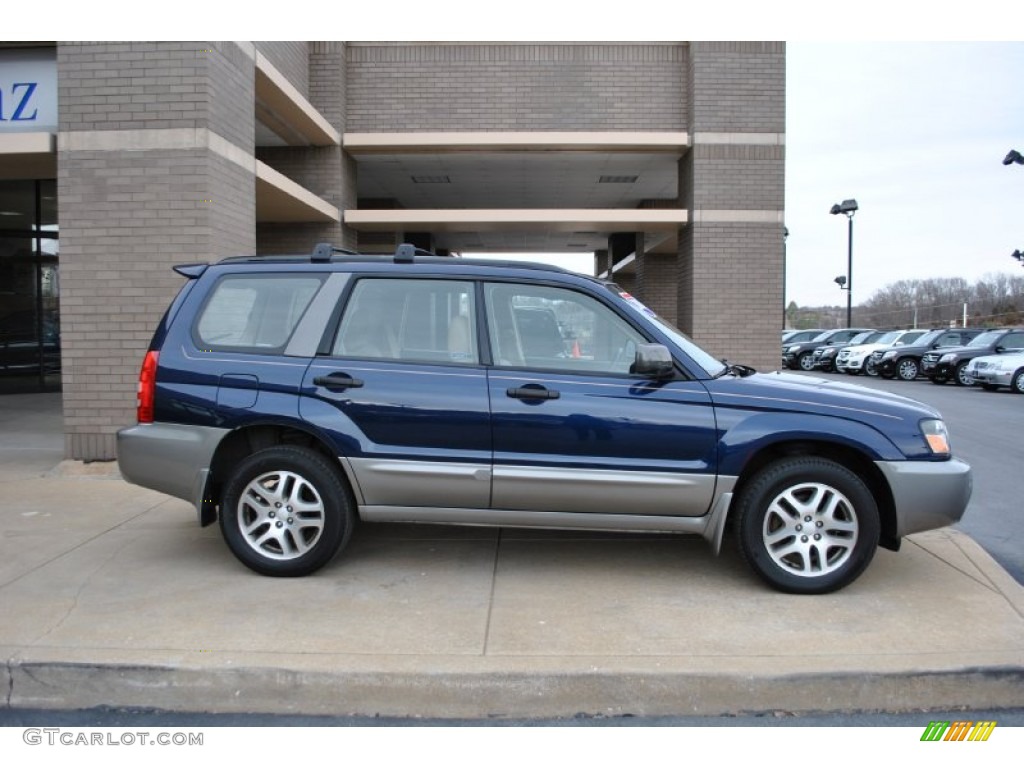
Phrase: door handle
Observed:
(532, 392)
(337, 381)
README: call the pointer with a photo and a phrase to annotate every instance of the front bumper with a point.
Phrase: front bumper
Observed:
(928, 494)
(886, 367)
(993, 377)
(937, 370)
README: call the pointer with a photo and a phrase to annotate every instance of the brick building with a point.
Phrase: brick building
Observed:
(664, 160)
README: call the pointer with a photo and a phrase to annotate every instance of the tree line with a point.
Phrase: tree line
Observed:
(994, 300)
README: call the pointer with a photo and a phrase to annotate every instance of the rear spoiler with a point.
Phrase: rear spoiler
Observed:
(191, 271)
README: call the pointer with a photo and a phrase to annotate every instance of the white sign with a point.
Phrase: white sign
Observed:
(28, 89)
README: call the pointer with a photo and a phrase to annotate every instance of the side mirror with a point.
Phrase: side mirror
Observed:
(1000, 349)
(653, 360)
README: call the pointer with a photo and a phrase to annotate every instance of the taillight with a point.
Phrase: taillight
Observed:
(147, 388)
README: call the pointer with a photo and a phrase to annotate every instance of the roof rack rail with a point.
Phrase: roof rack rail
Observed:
(324, 251)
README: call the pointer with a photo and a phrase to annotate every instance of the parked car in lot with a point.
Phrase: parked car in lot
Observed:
(905, 362)
(856, 358)
(951, 364)
(795, 337)
(825, 357)
(800, 356)
(287, 397)
(994, 371)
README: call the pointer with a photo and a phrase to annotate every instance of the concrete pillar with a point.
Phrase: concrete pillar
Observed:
(327, 172)
(729, 258)
(153, 173)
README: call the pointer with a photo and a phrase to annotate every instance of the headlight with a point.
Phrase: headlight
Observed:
(889, 356)
(949, 357)
(829, 353)
(936, 436)
(792, 350)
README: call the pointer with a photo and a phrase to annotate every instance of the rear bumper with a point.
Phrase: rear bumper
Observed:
(928, 494)
(170, 458)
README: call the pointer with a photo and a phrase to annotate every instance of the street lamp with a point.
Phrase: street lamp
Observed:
(785, 237)
(1013, 157)
(847, 208)
(1018, 256)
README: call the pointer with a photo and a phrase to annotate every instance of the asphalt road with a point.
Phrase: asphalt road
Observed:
(986, 430)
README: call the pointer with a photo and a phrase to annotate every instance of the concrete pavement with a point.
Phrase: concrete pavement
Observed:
(112, 595)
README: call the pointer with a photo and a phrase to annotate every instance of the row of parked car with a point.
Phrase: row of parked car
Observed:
(988, 357)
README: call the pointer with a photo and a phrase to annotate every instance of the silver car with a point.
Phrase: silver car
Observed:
(994, 371)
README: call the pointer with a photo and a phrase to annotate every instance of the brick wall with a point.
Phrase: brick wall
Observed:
(535, 87)
(290, 58)
(737, 86)
(127, 216)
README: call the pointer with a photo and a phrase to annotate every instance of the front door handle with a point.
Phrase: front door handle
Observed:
(532, 392)
(338, 381)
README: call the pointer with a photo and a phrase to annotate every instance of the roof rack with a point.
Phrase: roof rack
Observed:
(324, 251)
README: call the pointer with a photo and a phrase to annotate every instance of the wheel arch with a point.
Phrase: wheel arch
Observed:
(249, 439)
(862, 465)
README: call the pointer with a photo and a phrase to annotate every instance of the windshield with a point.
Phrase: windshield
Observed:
(888, 338)
(864, 338)
(711, 365)
(822, 336)
(987, 338)
(929, 337)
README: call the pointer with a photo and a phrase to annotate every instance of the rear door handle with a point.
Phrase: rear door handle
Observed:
(338, 381)
(532, 392)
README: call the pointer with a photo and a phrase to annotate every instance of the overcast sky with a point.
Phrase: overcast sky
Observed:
(916, 133)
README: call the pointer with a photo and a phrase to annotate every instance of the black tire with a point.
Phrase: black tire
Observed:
(806, 362)
(264, 494)
(1017, 382)
(961, 378)
(907, 369)
(870, 369)
(835, 505)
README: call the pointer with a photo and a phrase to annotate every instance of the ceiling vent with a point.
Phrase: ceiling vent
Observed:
(617, 179)
(430, 180)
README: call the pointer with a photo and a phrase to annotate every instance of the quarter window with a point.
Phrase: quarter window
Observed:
(254, 313)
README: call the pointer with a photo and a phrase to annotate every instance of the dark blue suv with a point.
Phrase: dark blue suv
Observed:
(288, 396)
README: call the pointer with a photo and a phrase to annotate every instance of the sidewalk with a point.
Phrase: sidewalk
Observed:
(112, 595)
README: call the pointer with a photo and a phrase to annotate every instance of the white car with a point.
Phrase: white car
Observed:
(994, 371)
(857, 359)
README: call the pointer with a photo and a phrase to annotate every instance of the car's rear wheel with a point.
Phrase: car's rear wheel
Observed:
(908, 369)
(1017, 383)
(807, 525)
(286, 511)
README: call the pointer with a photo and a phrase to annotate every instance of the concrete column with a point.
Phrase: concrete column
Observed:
(154, 172)
(729, 258)
(327, 172)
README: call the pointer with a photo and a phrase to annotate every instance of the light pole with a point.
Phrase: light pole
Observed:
(1018, 256)
(785, 236)
(847, 208)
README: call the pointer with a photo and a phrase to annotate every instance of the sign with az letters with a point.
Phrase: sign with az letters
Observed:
(28, 90)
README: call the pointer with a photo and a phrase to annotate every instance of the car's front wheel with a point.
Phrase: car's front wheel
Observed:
(806, 361)
(286, 511)
(807, 525)
(963, 378)
(907, 369)
(1017, 383)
